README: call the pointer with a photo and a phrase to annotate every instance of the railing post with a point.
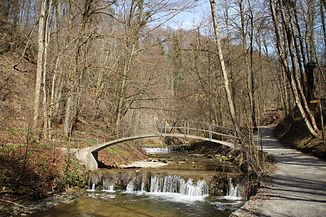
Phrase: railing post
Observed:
(210, 131)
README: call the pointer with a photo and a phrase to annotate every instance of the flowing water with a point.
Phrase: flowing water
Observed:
(126, 204)
(157, 150)
(173, 190)
(165, 199)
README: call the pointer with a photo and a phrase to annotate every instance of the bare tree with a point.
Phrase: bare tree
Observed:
(217, 40)
(43, 37)
(291, 73)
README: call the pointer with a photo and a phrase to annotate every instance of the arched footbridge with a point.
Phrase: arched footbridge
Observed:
(180, 129)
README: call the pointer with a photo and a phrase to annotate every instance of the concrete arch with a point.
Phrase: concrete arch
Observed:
(179, 135)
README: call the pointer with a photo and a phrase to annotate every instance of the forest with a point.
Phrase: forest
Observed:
(72, 71)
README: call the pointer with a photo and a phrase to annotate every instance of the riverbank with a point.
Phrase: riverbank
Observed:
(297, 188)
(9, 208)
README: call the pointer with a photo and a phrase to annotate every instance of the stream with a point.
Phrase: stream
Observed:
(170, 183)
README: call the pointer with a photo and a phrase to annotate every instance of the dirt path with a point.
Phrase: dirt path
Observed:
(297, 188)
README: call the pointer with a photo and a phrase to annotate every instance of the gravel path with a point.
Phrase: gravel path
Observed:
(297, 188)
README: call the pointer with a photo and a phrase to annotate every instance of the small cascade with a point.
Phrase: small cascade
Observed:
(198, 189)
(232, 191)
(108, 183)
(109, 188)
(142, 188)
(157, 150)
(175, 184)
(130, 186)
(92, 188)
(153, 183)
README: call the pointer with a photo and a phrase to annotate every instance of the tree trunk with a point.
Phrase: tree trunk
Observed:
(40, 62)
(288, 24)
(252, 77)
(283, 58)
(248, 63)
(322, 16)
(222, 64)
(68, 116)
(45, 98)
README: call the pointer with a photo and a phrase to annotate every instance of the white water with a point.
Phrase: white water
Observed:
(93, 188)
(108, 184)
(171, 187)
(176, 197)
(130, 186)
(110, 188)
(157, 150)
(142, 188)
(144, 164)
(233, 192)
(175, 184)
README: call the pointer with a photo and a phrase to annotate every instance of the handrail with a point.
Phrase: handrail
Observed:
(199, 122)
(205, 131)
(192, 128)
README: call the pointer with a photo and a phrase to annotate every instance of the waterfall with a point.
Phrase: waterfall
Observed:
(142, 188)
(157, 150)
(175, 184)
(108, 183)
(232, 191)
(130, 186)
(198, 189)
(93, 187)
(155, 183)
(109, 188)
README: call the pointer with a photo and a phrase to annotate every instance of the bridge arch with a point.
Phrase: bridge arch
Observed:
(86, 155)
(138, 137)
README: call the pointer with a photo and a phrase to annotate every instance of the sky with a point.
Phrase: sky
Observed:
(192, 18)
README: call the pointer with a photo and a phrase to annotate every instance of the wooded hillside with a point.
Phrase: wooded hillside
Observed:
(93, 65)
